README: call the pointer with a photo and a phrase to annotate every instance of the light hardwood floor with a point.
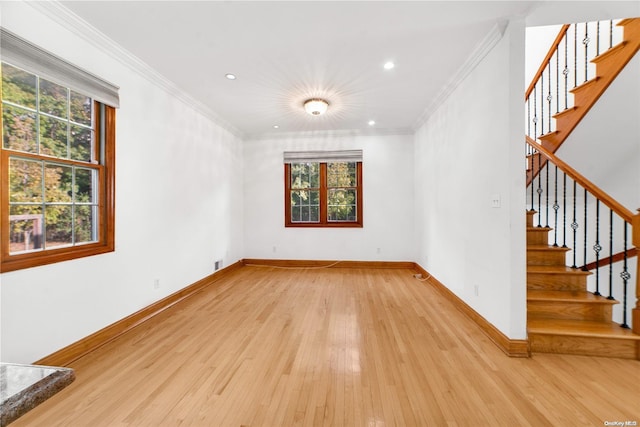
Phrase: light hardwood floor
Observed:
(330, 347)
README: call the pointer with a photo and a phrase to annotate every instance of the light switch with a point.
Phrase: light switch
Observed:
(495, 200)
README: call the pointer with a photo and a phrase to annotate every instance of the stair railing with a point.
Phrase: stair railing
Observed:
(598, 228)
(566, 66)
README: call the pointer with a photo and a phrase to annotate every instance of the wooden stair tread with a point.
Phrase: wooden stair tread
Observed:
(564, 112)
(536, 228)
(555, 269)
(567, 296)
(547, 248)
(626, 21)
(609, 52)
(580, 328)
(548, 135)
(586, 85)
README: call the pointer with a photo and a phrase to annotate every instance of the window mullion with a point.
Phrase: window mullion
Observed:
(4, 201)
(38, 139)
(44, 205)
(68, 123)
(98, 137)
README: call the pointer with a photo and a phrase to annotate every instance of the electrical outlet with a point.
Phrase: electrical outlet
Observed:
(156, 284)
(476, 290)
(275, 249)
(378, 250)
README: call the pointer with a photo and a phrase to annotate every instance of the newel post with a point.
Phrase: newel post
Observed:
(636, 242)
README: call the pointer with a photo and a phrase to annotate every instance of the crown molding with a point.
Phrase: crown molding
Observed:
(330, 133)
(481, 50)
(96, 38)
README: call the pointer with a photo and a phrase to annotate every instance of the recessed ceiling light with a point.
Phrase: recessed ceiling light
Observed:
(276, 127)
(389, 65)
(230, 76)
(372, 122)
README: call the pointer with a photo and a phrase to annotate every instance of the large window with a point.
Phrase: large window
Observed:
(323, 189)
(57, 159)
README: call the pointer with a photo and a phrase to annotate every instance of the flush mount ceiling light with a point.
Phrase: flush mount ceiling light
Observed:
(389, 65)
(230, 76)
(316, 106)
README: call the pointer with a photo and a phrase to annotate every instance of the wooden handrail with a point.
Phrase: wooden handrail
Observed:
(610, 260)
(636, 230)
(609, 201)
(546, 60)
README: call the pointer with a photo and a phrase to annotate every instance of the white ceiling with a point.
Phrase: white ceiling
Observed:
(285, 52)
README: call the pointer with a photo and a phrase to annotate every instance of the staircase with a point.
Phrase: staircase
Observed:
(608, 66)
(562, 316)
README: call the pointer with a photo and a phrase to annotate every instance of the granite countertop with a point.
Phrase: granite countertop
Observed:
(23, 387)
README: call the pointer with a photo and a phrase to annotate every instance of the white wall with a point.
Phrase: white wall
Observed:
(178, 209)
(387, 192)
(562, 12)
(537, 44)
(469, 150)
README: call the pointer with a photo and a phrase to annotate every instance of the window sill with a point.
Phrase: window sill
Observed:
(22, 261)
(325, 225)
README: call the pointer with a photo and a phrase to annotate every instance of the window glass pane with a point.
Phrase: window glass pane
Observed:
(296, 178)
(85, 217)
(53, 137)
(18, 86)
(304, 213)
(25, 228)
(314, 175)
(314, 198)
(25, 180)
(295, 214)
(295, 198)
(305, 175)
(18, 129)
(80, 143)
(305, 206)
(58, 226)
(81, 107)
(53, 99)
(57, 183)
(341, 205)
(341, 174)
(85, 179)
(314, 213)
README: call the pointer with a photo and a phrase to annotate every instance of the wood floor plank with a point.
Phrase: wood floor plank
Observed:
(330, 347)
